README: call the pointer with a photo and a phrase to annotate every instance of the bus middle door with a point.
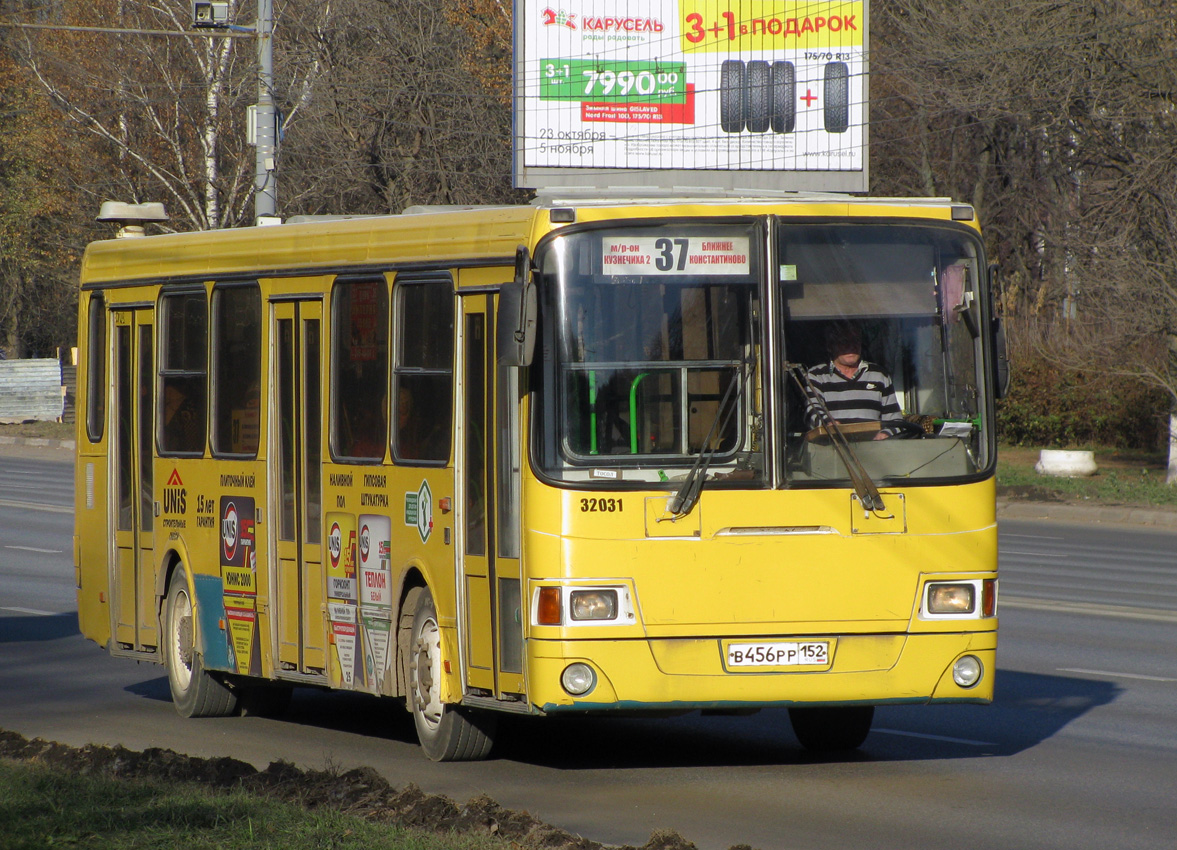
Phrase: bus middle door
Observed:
(296, 449)
(488, 451)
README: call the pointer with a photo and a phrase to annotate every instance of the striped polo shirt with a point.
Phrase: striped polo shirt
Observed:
(868, 396)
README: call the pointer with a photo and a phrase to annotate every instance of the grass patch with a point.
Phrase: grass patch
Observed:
(42, 806)
(1122, 479)
(47, 430)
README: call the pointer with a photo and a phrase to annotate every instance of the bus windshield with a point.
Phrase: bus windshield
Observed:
(657, 356)
(657, 336)
(883, 323)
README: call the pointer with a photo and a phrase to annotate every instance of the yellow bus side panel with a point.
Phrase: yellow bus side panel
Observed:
(90, 518)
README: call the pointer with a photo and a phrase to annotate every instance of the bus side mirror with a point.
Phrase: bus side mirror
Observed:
(997, 332)
(515, 326)
(1000, 360)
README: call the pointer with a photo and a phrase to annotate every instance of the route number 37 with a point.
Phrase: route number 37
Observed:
(667, 249)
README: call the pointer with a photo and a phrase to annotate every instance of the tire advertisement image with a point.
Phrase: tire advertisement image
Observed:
(693, 86)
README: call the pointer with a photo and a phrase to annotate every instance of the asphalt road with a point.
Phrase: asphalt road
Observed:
(1078, 751)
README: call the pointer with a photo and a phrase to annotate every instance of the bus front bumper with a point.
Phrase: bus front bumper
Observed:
(688, 674)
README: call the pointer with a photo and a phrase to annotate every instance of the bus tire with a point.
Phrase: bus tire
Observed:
(832, 728)
(759, 96)
(837, 99)
(731, 96)
(784, 97)
(195, 692)
(446, 732)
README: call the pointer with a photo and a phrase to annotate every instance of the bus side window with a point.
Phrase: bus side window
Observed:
(359, 406)
(182, 351)
(96, 383)
(236, 369)
(424, 370)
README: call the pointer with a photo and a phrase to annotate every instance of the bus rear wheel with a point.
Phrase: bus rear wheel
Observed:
(832, 728)
(194, 690)
(446, 732)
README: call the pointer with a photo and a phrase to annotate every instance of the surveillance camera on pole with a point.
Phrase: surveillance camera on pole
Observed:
(210, 14)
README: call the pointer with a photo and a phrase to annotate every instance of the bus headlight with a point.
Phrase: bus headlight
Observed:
(952, 598)
(967, 671)
(583, 606)
(593, 604)
(578, 679)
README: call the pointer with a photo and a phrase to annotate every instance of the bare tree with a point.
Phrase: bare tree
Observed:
(1056, 120)
(167, 112)
(394, 117)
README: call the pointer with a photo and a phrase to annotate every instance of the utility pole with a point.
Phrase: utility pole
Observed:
(214, 14)
(265, 178)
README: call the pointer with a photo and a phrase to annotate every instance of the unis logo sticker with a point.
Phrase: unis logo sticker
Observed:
(341, 556)
(364, 540)
(335, 544)
(229, 528)
(175, 501)
(238, 549)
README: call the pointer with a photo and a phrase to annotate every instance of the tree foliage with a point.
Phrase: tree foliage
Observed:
(38, 247)
(394, 116)
(1055, 120)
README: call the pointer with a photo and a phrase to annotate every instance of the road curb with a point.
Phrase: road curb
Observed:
(37, 442)
(1082, 514)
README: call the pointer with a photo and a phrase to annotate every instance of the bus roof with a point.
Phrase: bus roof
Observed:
(484, 235)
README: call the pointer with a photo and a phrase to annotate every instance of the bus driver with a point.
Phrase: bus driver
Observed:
(853, 389)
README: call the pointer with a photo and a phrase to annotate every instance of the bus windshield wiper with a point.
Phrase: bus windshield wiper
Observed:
(684, 500)
(864, 486)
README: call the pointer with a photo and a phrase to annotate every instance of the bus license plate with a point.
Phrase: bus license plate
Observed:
(808, 653)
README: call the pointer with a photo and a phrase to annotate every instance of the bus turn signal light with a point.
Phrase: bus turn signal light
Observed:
(989, 597)
(549, 611)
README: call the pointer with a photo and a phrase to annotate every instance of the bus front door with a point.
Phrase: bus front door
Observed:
(297, 495)
(488, 472)
(136, 628)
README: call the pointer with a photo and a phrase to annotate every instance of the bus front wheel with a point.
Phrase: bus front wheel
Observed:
(194, 691)
(446, 732)
(832, 728)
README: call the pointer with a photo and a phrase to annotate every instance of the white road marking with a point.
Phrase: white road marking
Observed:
(30, 611)
(1092, 609)
(34, 506)
(943, 738)
(35, 549)
(1114, 675)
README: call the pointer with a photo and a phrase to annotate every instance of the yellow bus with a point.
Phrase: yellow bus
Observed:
(566, 457)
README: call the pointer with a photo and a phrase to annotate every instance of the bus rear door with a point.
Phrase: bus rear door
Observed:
(136, 628)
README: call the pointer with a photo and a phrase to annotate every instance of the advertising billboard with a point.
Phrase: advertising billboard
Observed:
(730, 94)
